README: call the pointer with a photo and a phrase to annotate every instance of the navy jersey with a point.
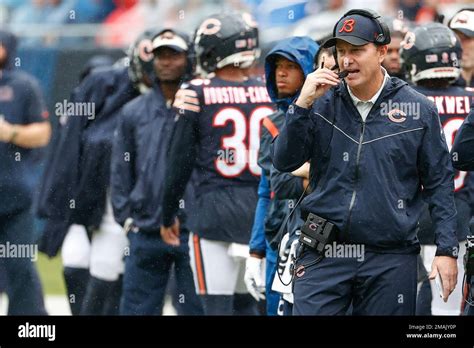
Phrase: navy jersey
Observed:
(453, 104)
(218, 133)
(228, 120)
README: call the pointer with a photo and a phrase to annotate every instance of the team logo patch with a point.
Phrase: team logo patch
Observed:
(347, 26)
(210, 26)
(397, 116)
(145, 50)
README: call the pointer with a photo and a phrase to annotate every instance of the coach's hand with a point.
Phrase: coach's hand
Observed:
(254, 277)
(447, 268)
(316, 84)
(170, 235)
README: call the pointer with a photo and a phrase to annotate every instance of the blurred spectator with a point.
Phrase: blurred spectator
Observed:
(321, 24)
(131, 17)
(59, 11)
(421, 11)
(122, 25)
(463, 25)
(31, 12)
(270, 13)
(92, 11)
(398, 28)
(7, 7)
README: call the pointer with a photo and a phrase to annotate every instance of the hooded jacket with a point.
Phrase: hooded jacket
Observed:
(369, 177)
(300, 50)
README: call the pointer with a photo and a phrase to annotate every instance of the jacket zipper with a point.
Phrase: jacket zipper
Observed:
(354, 193)
(359, 149)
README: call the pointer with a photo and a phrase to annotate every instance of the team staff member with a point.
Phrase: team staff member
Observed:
(370, 164)
(138, 167)
(23, 126)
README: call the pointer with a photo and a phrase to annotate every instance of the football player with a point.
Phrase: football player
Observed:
(138, 168)
(217, 133)
(431, 54)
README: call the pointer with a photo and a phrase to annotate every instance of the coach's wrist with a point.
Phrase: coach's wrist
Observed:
(304, 103)
(451, 252)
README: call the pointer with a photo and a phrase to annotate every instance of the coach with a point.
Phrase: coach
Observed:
(374, 160)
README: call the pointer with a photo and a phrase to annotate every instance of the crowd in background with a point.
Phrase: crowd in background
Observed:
(77, 23)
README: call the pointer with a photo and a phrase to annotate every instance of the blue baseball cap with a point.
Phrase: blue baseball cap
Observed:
(355, 29)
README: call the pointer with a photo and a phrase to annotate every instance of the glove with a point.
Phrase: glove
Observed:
(254, 277)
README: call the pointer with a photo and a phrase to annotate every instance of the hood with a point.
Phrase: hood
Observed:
(298, 49)
(9, 41)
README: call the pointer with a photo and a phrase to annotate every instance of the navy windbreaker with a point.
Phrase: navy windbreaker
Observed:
(368, 177)
(139, 161)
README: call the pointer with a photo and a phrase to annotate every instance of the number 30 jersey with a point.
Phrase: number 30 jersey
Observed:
(217, 134)
(227, 117)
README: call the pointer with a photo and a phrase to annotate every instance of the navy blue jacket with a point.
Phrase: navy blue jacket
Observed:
(21, 103)
(463, 147)
(77, 177)
(368, 176)
(139, 161)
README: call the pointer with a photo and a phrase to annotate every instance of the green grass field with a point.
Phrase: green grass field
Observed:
(51, 274)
